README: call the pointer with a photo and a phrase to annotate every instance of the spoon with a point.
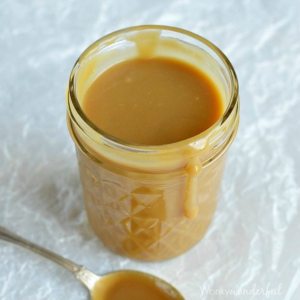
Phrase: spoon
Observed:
(117, 285)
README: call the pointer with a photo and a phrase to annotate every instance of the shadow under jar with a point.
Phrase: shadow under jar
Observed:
(151, 202)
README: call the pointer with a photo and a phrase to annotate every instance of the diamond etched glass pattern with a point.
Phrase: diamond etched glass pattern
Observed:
(141, 217)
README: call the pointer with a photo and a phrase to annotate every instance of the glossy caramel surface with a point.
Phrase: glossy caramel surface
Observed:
(131, 285)
(153, 101)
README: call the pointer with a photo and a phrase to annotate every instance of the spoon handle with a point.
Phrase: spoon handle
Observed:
(87, 277)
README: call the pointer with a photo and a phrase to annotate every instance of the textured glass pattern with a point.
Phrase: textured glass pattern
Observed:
(142, 215)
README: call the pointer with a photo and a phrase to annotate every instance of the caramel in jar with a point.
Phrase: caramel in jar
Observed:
(152, 116)
(153, 101)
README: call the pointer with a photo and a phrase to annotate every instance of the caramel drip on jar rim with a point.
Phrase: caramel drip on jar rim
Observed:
(191, 208)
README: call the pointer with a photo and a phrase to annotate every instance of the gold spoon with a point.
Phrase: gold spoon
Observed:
(104, 287)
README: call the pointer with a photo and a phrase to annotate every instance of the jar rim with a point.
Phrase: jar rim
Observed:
(233, 102)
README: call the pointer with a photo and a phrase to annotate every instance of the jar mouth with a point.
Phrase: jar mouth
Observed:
(232, 103)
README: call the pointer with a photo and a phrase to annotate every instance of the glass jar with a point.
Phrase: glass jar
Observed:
(151, 202)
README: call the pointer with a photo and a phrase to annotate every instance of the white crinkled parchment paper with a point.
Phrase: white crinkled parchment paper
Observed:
(252, 249)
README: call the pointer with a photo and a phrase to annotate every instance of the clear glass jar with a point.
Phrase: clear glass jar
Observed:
(151, 202)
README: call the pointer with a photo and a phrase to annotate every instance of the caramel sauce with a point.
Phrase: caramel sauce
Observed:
(131, 285)
(153, 91)
(152, 101)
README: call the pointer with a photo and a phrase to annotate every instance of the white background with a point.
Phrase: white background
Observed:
(253, 245)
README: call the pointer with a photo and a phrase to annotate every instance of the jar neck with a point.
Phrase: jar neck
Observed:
(201, 149)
